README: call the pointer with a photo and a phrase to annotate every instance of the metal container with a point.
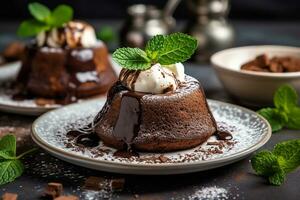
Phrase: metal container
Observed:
(210, 27)
(145, 21)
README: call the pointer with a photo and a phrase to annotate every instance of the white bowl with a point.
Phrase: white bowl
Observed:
(253, 88)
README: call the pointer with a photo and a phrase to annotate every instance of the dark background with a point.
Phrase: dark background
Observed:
(114, 9)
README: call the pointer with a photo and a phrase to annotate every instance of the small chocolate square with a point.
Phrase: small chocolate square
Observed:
(9, 196)
(54, 189)
(95, 183)
(117, 184)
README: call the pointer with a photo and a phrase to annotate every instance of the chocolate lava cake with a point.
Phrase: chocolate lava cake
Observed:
(154, 106)
(176, 120)
(66, 63)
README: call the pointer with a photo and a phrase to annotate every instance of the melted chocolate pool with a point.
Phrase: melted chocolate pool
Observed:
(83, 139)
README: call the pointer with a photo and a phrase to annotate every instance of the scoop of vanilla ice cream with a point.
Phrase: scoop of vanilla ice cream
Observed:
(73, 34)
(178, 70)
(156, 80)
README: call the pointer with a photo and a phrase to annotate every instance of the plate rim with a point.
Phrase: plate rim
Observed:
(227, 158)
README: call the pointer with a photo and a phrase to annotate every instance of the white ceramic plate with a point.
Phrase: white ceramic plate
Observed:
(250, 131)
(9, 72)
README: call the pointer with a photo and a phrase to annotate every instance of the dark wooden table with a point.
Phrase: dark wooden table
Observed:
(238, 178)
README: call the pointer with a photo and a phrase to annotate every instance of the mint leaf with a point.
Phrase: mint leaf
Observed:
(288, 154)
(132, 58)
(8, 143)
(277, 178)
(265, 163)
(31, 28)
(177, 47)
(10, 165)
(294, 118)
(154, 45)
(6, 155)
(276, 164)
(285, 98)
(39, 11)
(61, 15)
(10, 170)
(274, 117)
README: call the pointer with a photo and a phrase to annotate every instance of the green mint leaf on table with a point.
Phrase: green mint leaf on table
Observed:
(277, 178)
(6, 155)
(274, 117)
(10, 165)
(10, 170)
(275, 164)
(39, 11)
(44, 19)
(286, 112)
(8, 143)
(132, 58)
(177, 47)
(285, 98)
(294, 118)
(166, 50)
(288, 154)
(61, 15)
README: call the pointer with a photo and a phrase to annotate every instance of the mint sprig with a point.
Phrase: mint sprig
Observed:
(286, 112)
(10, 165)
(44, 19)
(166, 50)
(276, 164)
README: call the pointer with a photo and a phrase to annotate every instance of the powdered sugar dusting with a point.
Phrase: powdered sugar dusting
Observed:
(210, 193)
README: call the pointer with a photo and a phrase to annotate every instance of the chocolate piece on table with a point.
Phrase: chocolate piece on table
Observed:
(9, 196)
(117, 184)
(95, 183)
(54, 189)
(69, 197)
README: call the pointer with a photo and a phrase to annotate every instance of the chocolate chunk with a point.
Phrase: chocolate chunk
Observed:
(9, 196)
(275, 64)
(95, 183)
(262, 60)
(54, 190)
(117, 184)
(69, 197)
(163, 158)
